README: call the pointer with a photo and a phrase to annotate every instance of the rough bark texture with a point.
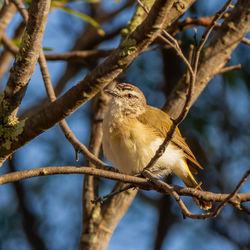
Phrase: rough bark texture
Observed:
(26, 60)
(106, 219)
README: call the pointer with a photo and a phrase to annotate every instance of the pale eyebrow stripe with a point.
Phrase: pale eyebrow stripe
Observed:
(124, 87)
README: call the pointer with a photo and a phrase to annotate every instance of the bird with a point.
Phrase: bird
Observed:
(133, 131)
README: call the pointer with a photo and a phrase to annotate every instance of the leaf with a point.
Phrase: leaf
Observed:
(83, 17)
(69, 1)
(18, 43)
(48, 49)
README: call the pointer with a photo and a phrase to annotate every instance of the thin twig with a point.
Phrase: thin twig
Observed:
(191, 22)
(170, 41)
(107, 196)
(225, 201)
(208, 31)
(76, 55)
(22, 10)
(174, 44)
(229, 68)
(79, 55)
(190, 56)
(163, 185)
(9, 45)
(78, 146)
(245, 40)
(186, 213)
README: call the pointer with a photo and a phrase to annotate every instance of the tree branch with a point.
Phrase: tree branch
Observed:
(81, 56)
(235, 199)
(7, 56)
(25, 61)
(6, 14)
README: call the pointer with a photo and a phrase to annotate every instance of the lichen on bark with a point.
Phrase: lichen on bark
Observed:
(128, 46)
(10, 126)
(137, 18)
(10, 132)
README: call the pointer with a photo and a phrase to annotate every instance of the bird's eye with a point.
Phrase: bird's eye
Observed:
(129, 96)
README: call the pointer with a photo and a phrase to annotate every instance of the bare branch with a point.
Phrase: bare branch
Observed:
(22, 10)
(6, 13)
(90, 183)
(246, 41)
(235, 199)
(107, 196)
(186, 213)
(229, 68)
(208, 31)
(78, 146)
(76, 56)
(9, 45)
(25, 61)
(7, 56)
(190, 23)
(79, 55)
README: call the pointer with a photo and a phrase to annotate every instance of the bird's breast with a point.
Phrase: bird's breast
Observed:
(129, 145)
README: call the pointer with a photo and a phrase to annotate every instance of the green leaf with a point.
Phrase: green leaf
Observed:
(68, 1)
(18, 43)
(47, 49)
(83, 17)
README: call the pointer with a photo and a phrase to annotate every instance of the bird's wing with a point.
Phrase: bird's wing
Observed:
(160, 123)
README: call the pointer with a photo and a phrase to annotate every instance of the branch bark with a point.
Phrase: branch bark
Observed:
(6, 14)
(7, 56)
(81, 56)
(25, 61)
(137, 181)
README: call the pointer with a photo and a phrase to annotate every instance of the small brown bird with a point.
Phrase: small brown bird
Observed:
(133, 131)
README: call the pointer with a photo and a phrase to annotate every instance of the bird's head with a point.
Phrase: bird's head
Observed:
(127, 100)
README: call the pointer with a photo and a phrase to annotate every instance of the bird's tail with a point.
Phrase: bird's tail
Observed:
(190, 181)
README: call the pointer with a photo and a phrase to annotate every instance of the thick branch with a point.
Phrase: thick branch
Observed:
(25, 60)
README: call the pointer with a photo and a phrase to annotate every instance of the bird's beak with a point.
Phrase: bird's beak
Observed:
(111, 92)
